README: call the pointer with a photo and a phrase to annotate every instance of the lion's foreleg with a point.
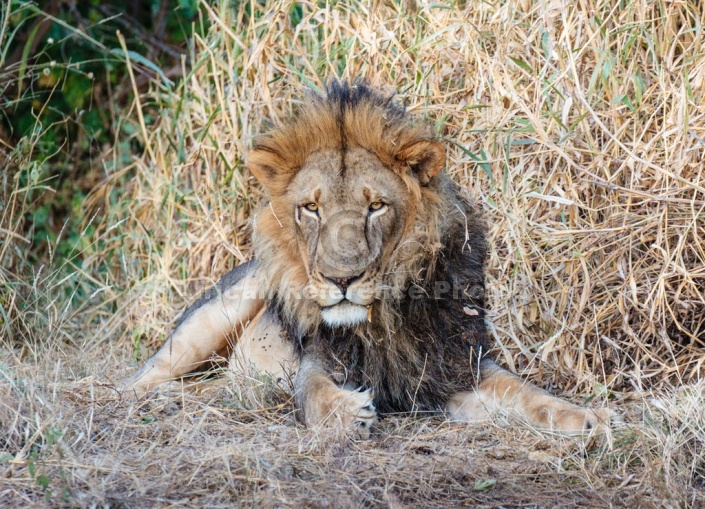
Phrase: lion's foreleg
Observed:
(264, 348)
(208, 326)
(322, 402)
(500, 390)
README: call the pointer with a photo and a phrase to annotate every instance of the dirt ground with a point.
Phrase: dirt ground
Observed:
(74, 441)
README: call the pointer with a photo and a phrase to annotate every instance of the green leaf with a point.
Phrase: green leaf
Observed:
(43, 481)
(526, 141)
(522, 64)
(136, 57)
(482, 162)
(484, 484)
(546, 44)
(77, 89)
(92, 123)
(624, 99)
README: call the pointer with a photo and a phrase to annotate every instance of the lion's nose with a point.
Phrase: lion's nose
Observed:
(344, 282)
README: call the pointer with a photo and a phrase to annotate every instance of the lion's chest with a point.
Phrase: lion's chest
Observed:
(406, 372)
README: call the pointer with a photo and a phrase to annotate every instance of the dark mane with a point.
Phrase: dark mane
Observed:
(341, 95)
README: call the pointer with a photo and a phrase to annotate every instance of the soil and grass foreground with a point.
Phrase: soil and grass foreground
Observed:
(580, 128)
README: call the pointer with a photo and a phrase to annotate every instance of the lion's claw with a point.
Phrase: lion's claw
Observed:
(356, 410)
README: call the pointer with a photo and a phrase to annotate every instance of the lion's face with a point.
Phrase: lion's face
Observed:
(349, 213)
(349, 185)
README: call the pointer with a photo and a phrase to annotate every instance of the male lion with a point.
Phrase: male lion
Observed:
(367, 280)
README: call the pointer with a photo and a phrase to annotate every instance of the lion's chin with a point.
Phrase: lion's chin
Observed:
(344, 314)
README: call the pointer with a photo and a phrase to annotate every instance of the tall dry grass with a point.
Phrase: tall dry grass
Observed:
(579, 125)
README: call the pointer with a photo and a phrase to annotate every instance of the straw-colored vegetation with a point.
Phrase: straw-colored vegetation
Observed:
(580, 126)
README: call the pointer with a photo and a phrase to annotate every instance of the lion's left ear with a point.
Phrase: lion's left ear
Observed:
(425, 158)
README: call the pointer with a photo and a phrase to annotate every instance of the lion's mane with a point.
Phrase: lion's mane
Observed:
(427, 331)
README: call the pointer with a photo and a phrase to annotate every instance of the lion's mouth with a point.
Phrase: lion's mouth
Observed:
(346, 314)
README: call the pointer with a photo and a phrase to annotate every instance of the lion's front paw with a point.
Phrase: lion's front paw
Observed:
(352, 410)
(359, 412)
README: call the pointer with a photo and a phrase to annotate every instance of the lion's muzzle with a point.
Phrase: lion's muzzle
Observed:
(345, 301)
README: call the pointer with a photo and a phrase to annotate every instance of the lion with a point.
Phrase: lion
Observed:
(367, 283)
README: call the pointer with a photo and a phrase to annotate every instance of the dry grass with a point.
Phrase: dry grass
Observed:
(75, 442)
(580, 127)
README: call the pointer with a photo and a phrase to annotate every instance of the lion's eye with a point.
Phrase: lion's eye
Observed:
(376, 205)
(313, 207)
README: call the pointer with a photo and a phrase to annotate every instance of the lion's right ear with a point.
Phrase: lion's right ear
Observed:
(270, 169)
(426, 159)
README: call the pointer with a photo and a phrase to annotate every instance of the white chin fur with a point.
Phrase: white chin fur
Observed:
(344, 315)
